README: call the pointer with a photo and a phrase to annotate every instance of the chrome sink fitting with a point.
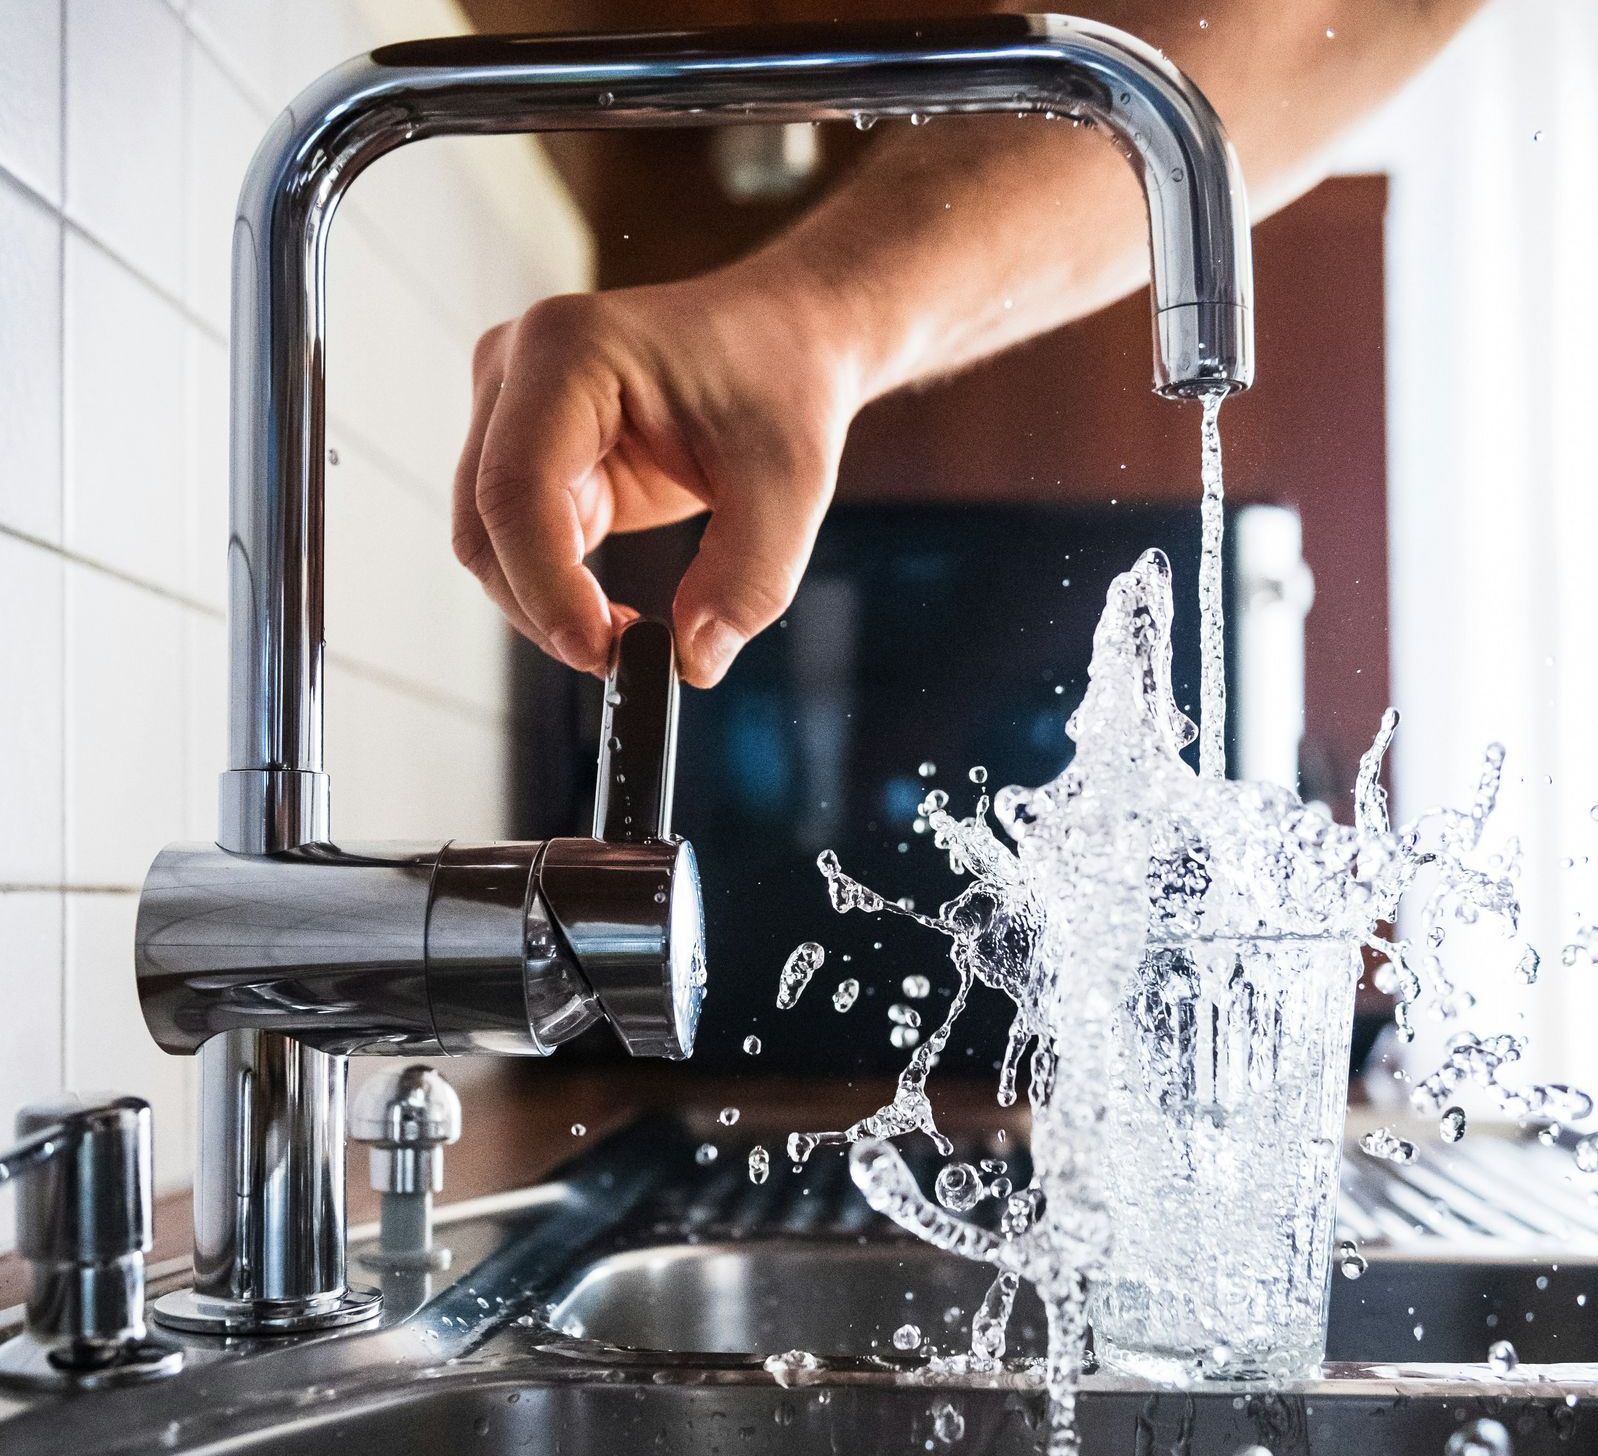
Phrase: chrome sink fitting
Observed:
(84, 1226)
(278, 951)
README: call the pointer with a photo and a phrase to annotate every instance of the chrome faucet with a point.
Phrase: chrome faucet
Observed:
(276, 952)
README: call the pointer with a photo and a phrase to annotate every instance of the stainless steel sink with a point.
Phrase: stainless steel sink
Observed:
(833, 1297)
(845, 1299)
(628, 1307)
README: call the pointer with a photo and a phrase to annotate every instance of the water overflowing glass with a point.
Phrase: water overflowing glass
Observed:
(1181, 951)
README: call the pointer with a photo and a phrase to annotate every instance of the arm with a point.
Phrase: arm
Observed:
(734, 391)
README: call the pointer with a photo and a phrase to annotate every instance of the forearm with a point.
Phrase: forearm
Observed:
(958, 239)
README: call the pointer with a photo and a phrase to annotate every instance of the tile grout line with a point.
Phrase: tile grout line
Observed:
(189, 416)
(93, 239)
(399, 682)
(65, 888)
(436, 304)
(64, 990)
(127, 578)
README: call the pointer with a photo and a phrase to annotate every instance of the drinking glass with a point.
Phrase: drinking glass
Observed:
(1229, 1079)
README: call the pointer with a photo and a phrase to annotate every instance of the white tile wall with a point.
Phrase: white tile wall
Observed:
(124, 87)
(31, 656)
(30, 93)
(123, 454)
(30, 362)
(31, 1044)
(125, 126)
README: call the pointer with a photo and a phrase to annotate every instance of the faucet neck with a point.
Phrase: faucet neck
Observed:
(275, 796)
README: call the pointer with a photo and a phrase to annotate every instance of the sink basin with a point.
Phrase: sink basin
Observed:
(627, 1307)
(835, 1298)
(844, 1299)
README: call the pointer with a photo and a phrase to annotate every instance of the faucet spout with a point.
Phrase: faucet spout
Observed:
(275, 795)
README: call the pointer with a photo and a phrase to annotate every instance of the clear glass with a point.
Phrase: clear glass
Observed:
(1229, 1082)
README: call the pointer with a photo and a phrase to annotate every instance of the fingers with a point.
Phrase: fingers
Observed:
(538, 434)
(469, 539)
(751, 556)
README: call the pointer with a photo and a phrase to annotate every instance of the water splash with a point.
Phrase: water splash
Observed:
(1126, 851)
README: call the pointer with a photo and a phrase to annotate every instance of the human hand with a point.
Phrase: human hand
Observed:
(619, 411)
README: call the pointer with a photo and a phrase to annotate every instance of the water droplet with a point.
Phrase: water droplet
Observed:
(904, 1015)
(1177, 174)
(1204, 23)
(1330, 33)
(978, 774)
(917, 988)
(782, 1368)
(844, 997)
(1586, 1154)
(1419, 1332)
(800, 966)
(759, 1164)
(1350, 1262)
(916, 118)
(607, 98)
(752, 1046)
(907, 1337)
(864, 121)
(927, 768)
(1385, 1143)
(1537, 136)
(332, 456)
(578, 1130)
(1452, 1125)
(958, 1187)
(948, 1425)
(706, 1154)
(1502, 1358)
(727, 1116)
(800, 1146)
(1485, 1437)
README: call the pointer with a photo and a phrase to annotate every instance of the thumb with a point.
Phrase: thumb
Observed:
(752, 554)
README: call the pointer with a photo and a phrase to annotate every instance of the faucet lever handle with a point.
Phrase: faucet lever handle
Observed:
(638, 737)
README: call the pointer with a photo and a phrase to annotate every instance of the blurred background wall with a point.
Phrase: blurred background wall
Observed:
(1490, 321)
(125, 128)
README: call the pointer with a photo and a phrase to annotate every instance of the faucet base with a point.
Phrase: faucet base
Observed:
(36, 1362)
(205, 1314)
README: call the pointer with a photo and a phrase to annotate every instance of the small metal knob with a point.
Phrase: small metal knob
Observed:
(408, 1117)
(84, 1224)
